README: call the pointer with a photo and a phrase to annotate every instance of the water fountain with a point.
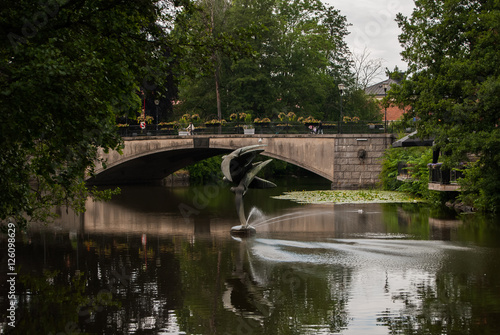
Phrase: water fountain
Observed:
(237, 167)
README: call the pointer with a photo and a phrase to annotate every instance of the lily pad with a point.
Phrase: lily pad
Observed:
(347, 197)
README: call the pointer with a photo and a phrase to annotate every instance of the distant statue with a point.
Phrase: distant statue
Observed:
(237, 167)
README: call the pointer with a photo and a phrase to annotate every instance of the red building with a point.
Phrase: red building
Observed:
(379, 91)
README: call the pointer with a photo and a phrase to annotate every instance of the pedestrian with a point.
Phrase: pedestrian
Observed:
(190, 128)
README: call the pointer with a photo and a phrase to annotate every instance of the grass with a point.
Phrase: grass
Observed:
(347, 197)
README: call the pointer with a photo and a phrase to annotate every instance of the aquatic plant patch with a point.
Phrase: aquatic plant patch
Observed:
(347, 196)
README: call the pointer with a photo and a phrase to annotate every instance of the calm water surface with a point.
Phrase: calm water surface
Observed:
(161, 261)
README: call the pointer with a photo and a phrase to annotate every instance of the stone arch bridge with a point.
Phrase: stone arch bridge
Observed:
(347, 160)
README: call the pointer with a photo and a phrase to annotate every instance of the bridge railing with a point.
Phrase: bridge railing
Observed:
(360, 127)
(440, 175)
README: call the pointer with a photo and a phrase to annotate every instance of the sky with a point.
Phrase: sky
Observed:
(373, 27)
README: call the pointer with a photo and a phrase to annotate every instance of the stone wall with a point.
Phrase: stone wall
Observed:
(357, 162)
(347, 160)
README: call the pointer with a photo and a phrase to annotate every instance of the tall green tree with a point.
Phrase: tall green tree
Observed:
(357, 104)
(68, 68)
(453, 84)
(204, 31)
(299, 57)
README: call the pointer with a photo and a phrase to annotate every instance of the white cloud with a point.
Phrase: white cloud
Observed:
(374, 27)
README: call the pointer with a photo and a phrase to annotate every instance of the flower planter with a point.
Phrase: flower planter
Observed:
(329, 126)
(249, 131)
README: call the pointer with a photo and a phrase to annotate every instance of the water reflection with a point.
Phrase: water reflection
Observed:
(162, 261)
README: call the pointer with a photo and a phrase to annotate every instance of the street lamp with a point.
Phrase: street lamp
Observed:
(385, 87)
(157, 102)
(341, 89)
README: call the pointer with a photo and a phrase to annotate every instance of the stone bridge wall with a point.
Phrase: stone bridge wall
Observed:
(358, 160)
(347, 160)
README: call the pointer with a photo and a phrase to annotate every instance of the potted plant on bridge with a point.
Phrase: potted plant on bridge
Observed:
(147, 119)
(235, 122)
(168, 125)
(262, 122)
(183, 123)
(288, 119)
(248, 127)
(214, 123)
(195, 118)
(310, 121)
(123, 128)
(329, 125)
(233, 117)
(168, 128)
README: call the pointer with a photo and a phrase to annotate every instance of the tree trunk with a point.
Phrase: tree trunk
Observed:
(217, 92)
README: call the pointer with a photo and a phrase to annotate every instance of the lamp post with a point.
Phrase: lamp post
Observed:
(385, 87)
(341, 89)
(157, 103)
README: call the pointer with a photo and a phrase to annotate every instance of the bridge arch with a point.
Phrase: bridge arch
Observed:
(334, 157)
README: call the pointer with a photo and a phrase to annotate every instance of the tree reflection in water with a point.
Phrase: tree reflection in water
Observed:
(451, 303)
(386, 269)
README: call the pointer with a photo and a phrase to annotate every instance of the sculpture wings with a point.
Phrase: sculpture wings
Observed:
(237, 167)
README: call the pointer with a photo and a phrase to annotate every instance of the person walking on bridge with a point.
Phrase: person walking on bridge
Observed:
(190, 128)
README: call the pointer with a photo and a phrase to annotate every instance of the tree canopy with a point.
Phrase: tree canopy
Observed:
(297, 57)
(453, 84)
(68, 68)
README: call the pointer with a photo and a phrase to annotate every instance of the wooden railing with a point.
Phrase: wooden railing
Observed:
(444, 176)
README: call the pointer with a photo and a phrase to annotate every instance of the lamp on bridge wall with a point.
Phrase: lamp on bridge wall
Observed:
(341, 89)
(157, 103)
(385, 87)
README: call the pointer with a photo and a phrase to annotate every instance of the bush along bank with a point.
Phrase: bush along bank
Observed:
(406, 170)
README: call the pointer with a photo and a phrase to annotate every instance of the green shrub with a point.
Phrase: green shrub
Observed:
(480, 187)
(205, 171)
(416, 159)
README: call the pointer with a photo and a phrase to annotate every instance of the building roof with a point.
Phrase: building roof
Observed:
(411, 140)
(378, 89)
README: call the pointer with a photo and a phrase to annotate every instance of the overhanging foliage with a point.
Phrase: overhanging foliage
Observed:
(453, 85)
(68, 68)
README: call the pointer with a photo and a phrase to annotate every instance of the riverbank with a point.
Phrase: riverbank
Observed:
(347, 196)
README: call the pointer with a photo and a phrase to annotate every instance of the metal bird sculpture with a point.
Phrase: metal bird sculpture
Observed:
(237, 167)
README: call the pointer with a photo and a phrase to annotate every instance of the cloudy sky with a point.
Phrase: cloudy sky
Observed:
(373, 27)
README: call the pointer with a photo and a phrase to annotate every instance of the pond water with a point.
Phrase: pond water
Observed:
(161, 261)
